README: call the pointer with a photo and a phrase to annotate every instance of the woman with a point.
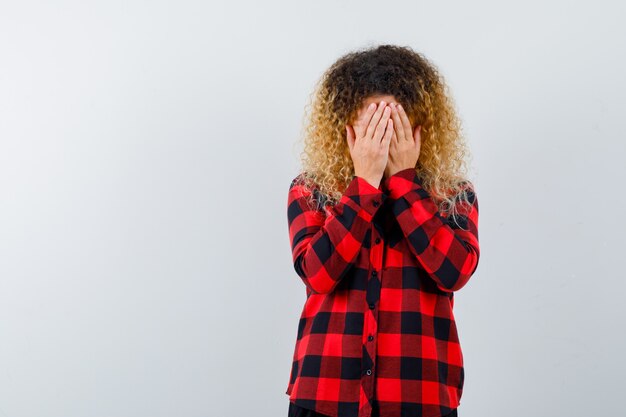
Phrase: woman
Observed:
(383, 225)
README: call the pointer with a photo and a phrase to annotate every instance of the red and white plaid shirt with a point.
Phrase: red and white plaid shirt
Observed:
(380, 269)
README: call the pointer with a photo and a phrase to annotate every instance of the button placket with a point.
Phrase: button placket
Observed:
(376, 250)
(376, 256)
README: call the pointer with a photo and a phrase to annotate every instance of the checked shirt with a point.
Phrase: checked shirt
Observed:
(380, 268)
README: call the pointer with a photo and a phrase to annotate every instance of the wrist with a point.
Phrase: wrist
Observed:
(373, 181)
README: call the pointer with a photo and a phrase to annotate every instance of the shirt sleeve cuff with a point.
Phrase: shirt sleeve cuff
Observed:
(402, 182)
(364, 197)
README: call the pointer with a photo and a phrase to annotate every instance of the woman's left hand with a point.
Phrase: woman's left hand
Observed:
(404, 149)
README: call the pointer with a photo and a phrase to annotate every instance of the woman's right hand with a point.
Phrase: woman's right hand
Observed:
(369, 141)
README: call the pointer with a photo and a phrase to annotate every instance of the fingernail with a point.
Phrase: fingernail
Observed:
(399, 106)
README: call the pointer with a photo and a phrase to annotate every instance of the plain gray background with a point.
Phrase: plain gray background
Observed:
(146, 149)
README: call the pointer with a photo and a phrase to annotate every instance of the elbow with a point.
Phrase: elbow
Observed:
(451, 279)
(315, 288)
(458, 283)
(453, 283)
(317, 283)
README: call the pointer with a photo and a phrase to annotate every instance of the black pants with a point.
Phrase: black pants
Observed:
(295, 411)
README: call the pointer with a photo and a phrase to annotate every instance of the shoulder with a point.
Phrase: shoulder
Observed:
(303, 183)
(466, 191)
(300, 180)
(304, 186)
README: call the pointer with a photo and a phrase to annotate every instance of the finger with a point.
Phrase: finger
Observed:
(382, 125)
(397, 122)
(388, 133)
(364, 119)
(406, 123)
(374, 121)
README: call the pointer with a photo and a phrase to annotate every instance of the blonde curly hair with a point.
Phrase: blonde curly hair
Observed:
(415, 82)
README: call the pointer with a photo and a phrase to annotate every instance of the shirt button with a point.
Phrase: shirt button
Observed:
(377, 240)
(376, 203)
(372, 306)
(373, 273)
(369, 372)
(370, 338)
